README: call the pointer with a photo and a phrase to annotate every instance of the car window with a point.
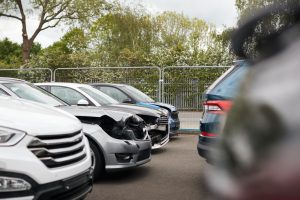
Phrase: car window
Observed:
(142, 97)
(228, 87)
(32, 93)
(68, 95)
(44, 87)
(3, 93)
(99, 96)
(114, 93)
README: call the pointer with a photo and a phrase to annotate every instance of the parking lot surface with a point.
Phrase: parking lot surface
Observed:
(189, 120)
(173, 173)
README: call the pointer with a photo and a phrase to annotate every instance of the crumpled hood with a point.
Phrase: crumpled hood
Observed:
(91, 111)
(165, 105)
(36, 119)
(133, 109)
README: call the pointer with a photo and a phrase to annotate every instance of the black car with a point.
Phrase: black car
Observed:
(128, 94)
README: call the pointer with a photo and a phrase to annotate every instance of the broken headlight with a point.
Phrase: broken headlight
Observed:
(138, 126)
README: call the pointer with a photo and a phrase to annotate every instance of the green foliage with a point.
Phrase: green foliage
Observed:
(267, 26)
(50, 14)
(132, 37)
(11, 53)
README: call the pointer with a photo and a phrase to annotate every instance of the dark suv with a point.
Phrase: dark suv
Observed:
(217, 101)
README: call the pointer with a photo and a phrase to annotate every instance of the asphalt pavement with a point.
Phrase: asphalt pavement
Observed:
(173, 173)
(189, 120)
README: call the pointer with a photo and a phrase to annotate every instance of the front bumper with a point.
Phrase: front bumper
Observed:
(160, 136)
(174, 127)
(73, 188)
(139, 153)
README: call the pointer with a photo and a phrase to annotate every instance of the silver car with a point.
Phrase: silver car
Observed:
(86, 95)
(117, 139)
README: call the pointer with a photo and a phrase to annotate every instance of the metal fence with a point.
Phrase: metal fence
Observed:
(180, 86)
(184, 86)
(147, 79)
(34, 75)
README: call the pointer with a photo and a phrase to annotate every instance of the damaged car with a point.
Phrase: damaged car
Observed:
(131, 95)
(118, 140)
(87, 96)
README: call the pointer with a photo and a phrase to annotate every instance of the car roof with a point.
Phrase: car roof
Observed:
(73, 85)
(10, 80)
(109, 84)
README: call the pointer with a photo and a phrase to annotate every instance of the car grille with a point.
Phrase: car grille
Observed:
(59, 150)
(174, 115)
(163, 120)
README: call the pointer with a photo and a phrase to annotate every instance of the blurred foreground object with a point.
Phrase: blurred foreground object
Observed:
(259, 150)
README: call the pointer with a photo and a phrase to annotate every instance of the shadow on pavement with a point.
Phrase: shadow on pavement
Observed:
(158, 151)
(125, 176)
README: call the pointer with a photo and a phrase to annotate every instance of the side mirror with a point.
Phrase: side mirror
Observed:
(127, 101)
(82, 102)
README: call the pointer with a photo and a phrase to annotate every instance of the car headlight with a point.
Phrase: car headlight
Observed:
(9, 137)
(9, 184)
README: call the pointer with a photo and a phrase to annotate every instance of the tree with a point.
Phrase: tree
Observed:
(124, 35)
(50, 13)
(11, 53)
(266, 27)
(69, 51)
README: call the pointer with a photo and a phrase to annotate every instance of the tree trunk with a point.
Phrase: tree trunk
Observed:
(27, 44)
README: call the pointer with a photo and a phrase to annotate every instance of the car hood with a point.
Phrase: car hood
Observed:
(165, 105)
(36, 119)
(91, 128)
(88, 111)
(138, 110)
(148, 105)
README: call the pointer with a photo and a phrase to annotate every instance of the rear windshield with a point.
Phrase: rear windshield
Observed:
(227, 88)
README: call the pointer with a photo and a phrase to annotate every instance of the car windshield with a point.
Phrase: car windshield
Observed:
(99, 96)
(138, 94)
(33, 93)
(227, 88)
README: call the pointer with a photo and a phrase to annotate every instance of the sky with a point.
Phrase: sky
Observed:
(219, 12)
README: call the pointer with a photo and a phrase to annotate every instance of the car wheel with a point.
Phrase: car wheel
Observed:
(97, 161)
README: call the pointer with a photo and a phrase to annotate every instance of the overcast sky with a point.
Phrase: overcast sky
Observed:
(219, 12)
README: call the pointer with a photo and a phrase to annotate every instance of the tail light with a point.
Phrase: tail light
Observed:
(206, 134)
(219, 107)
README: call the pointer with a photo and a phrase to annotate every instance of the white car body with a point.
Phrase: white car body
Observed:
(39, 121)
(108, 146)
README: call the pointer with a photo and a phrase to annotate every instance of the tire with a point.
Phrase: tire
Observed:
(97, 161)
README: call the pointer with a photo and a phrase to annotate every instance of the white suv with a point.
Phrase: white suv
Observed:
(44, 153)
